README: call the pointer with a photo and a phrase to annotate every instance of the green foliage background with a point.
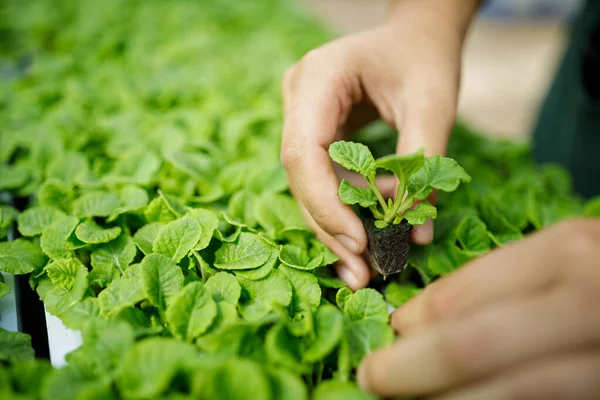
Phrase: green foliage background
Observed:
(142, 194)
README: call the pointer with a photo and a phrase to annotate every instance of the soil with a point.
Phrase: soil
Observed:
(388, 247)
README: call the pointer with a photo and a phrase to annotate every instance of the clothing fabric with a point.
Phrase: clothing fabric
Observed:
(568, 129)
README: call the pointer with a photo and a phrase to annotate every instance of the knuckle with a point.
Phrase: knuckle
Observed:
(439, 303)
(581, 237)
(291, 155)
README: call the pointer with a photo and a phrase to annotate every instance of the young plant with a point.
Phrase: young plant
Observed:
(391, 220)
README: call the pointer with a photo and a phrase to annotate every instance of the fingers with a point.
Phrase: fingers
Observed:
(573, 376)
(351, 268)
(521, 269)
(427, 117)
(492, 341)
(318, 95)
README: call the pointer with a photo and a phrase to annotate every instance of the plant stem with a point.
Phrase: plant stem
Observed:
(378, 195)
(389, 216)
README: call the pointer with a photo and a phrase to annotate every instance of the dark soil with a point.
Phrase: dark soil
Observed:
(388, 247)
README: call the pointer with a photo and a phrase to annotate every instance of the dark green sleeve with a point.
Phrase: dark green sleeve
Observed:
(568, 129)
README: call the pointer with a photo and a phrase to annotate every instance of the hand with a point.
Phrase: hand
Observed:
(522, 322)
(406, 72)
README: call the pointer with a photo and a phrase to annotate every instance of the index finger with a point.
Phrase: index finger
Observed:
(314, 110)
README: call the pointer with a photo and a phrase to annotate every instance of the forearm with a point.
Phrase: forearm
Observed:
(448, 15)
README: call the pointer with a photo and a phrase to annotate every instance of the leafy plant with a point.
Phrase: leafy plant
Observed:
(417, 177)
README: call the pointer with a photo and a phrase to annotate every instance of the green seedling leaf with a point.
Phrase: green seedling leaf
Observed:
(262, 271)
(354, 157)
(120, 294)
(96, 204)
(342, 296)
(54, 193)
(237, 377)
(366, 336)
(33, 221)
(20, 257)
(54, 240)
(15, 347)
(298, 258)
(329, 327)
(263, 296)
(366, 304)
(209, 222)
(118, 253)
(403, 166)
(438, 172)
(144, 238)
(351, 195)
(63, 272)
(336, 390)
(247, 252)
(91, 232)
(176, 239)
(397, 294)
(12, 177)
(419, 215)
(8, 215)
(132, 198)
(283, 350)
(286, 385)
(191, 312)
(473, 236)
(161, 279)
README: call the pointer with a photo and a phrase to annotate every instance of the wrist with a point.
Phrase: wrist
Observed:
(449, 16)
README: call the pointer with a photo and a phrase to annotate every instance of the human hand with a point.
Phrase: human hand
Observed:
(522, 322)
(406, 72)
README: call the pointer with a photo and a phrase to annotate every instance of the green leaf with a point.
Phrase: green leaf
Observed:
(118, 253)
(404, 166)
(157, 211)
(235, 379)
(56, 194)
(440, 173)
(28, 377)
(20, 257)
(176, 239)
(286, 385)
(33, 221)
(59, 300)
(144, 238)
(63, 272)
(8, 215)
(592, 207)
(397, 294)
(96, 204)
(329, 327)
(12, 177)
(262, 271)
(120, 294)
(148, 368)
(473, 236)
(132, 199)
(276, 212)
(354, 157)
(305, 286)
(283, 350)
(261, 297)
(247, 252)
(15, 347)
(54, 240)
(224, 287)
(161, 279)
(68, 167)
(297, 257)
(367, 304)
(351, 195)
(419, 215)
(342, 296)
(91, 232)
(191, 312)
(336, 390)
(366, 336)
(81, 313)
(209, 222)
(4, 289)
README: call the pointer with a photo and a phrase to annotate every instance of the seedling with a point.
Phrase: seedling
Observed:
(389, 222)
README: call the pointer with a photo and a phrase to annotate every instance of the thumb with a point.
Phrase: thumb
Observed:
(426, 125)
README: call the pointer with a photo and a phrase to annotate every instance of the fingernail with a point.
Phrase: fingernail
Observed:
(348, 243)
(348, 276)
